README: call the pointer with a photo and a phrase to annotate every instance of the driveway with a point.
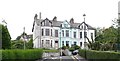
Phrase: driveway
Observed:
(64, 58)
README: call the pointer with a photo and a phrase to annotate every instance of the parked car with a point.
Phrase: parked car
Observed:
(75, 52)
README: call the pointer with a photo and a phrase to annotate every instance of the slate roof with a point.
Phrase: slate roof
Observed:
(75, 25)
(58, 24)
(89, 27)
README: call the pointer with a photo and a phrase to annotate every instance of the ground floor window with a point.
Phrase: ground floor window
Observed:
(62, 43)
(75, 43)
(56, 41)
(67, 43)
(80, 43)
(51, 43)
(56, 44)
(47, 43)
(42, 42)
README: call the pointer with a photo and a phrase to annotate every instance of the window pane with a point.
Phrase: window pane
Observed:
(74, 43)
(42, 32)
(47, 32)
(42, 42)
(51, 32)
(85, 34)
(91, 35)
(67, 33)
(62, 43)
(56, 33)
(47, 42)
(74, 34)
(80, 34)
(63, 33)
(80, 43)
(51, 43)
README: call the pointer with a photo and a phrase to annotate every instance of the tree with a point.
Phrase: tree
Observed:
(107, 38)
(6, 44)
(18, 38)
(17, 44)
(30, 44)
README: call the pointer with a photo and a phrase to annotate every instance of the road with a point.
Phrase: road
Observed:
(64, 58)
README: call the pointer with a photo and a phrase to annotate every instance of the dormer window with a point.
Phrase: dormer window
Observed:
(85, 27)
(82, 27)
(65, 25)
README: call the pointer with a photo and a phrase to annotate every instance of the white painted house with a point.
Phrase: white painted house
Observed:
(54, 34)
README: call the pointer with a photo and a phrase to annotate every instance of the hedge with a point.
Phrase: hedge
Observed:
(31, 54)
(93, 55)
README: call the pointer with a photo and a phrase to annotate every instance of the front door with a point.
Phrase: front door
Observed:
(56, 44)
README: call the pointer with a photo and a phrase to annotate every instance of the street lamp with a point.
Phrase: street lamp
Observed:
(24, 36)
(84, 35)
(60, 43)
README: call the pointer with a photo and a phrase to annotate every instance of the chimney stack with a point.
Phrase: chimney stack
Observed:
(71, 20)
(40, 15)
(35, 17)
(55, 18)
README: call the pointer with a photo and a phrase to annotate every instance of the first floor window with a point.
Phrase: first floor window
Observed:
(51, 32)
(63, 33)
(42, 32)
(56, 33)
(85, 34)
(80, 34)
(67, 33)
(74, 34)
(91, 35)
(47, 32)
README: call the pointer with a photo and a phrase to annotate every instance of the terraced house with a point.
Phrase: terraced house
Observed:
(54, 34)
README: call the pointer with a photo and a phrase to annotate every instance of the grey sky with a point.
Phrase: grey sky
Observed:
(20, 13)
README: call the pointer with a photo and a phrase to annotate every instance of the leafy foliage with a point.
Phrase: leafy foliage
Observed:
(105, 41)
(22, 54)
(6, 44)
(75, 47)
(93, 55)
(30, 44)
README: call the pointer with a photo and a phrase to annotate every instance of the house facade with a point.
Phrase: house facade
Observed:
(119, 10)
(54, 34)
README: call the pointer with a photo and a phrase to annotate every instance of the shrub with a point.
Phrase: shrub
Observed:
(93, 55)
(22, 54)
(75, 47)
(64, 47)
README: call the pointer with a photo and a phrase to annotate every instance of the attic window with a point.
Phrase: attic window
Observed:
(65, 25)
(81, 27)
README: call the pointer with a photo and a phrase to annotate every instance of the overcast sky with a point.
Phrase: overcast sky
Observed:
(20, 13)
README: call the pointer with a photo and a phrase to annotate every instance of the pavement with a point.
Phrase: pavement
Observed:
(64, 58)
(50, 54)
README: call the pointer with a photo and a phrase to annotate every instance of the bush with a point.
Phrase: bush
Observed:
(71, 49)
(22, 54)
(93, 55)
(75, 47)
(64, 47)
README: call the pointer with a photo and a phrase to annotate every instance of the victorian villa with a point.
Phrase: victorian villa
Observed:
(54, 34)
